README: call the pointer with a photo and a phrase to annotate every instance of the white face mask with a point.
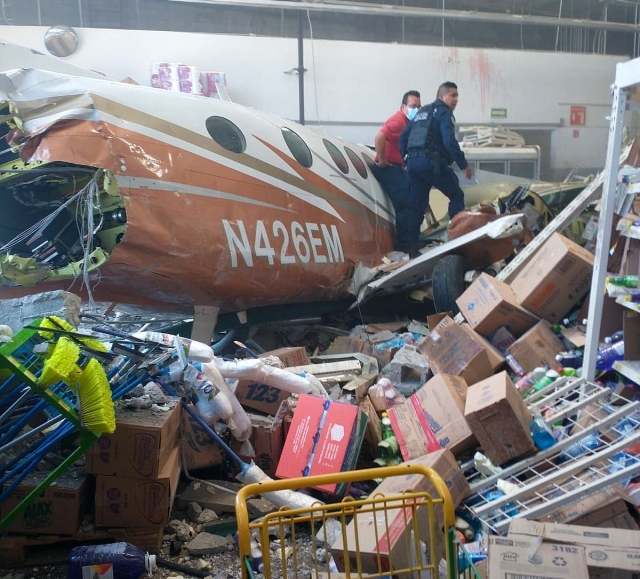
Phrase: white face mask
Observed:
(411, 114)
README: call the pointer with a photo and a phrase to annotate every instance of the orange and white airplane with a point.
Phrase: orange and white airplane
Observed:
(138, 195)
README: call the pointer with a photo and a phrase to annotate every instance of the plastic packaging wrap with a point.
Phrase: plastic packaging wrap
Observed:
(285, 498)
(194, 350)
(238, 421)
(255, 369)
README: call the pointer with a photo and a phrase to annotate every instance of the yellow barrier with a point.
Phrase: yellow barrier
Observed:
(380, 536)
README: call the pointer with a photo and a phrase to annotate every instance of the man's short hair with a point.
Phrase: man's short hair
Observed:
(413, 93)
(445, 87)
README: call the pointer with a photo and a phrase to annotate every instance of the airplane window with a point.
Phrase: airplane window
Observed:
(357, 163)
(337, 156)
(369, 161)
(226, 134)
(298, 147)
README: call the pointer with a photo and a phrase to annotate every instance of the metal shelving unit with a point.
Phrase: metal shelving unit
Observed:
(598, 423)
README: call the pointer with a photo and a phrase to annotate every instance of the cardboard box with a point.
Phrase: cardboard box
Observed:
(141, 444)
(482, 569)
(488, 304)
(346, 345)
(267, 439)
(358, 387)
(133, 502)
(610, 553)
(631, 330)
(261, 397)
(624, 520)
(444, 463)
(496, 359)
(554, 279)
(592, 510)
(381, 541)
(434, 319)
(266, 398)
(57, 511)
(511, 558)
(372, 436)
(538, 347)
(452, 349)
(291, 356)
(499, 418)
(324, 437)
(391, 544)
(199, 449)
(433, 417)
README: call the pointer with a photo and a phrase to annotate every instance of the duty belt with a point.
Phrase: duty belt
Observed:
(422, 153)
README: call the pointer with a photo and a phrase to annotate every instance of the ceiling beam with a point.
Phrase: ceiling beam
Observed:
(359, 8)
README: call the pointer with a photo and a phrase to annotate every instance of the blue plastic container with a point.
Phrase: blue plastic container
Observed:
(113, 561)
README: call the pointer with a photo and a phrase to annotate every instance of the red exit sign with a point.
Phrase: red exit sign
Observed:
(578, 116)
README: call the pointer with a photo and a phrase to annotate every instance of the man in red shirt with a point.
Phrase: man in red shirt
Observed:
(390, 170)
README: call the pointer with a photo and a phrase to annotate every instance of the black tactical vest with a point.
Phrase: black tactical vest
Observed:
(421, 135)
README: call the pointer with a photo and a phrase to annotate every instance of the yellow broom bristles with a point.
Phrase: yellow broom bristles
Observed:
(61, 365)
(56, 323)
(97, 411)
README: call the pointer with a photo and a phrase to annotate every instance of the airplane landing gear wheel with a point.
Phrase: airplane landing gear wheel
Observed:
(448, 282)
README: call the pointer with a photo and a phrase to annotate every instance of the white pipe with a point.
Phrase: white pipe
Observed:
(413, 12)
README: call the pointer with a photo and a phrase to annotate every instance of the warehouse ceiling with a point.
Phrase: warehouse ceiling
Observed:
(587, 26)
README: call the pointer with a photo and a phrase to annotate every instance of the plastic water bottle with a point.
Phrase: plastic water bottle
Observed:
(549, 378)
(540, 431)
(607, 356)
(515, 366)
(615, 337)
(624, 280)
(507, 510)
(580, 447)
(117, 561)
(529, 379)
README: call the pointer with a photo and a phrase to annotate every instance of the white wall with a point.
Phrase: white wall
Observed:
(352, 87)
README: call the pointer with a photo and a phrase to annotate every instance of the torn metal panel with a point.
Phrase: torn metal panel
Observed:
(146, 196)
(422, 266)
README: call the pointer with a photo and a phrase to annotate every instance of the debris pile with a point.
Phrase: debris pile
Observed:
(492, 403)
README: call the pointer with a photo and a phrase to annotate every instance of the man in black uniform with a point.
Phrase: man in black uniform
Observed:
(429, 145)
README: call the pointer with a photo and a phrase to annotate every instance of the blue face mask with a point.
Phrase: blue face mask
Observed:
(411, 114)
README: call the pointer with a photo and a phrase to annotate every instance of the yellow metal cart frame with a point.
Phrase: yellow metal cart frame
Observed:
(414, 515)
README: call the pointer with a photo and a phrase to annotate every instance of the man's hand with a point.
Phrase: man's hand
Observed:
(383, 164)
(468, 172)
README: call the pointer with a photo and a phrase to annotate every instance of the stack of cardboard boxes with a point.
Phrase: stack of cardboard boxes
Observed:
(137, 468)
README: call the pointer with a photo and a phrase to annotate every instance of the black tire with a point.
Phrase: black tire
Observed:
(448, 283)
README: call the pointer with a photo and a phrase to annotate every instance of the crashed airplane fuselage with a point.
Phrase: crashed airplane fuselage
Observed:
(146, 196)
